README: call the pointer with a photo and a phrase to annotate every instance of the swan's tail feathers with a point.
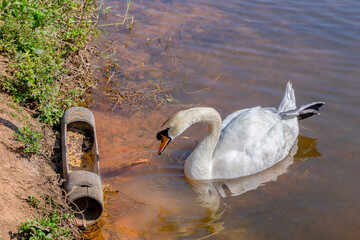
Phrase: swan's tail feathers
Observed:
(288, 102)
(304, 111)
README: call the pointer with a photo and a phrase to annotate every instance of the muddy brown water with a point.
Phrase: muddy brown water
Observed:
(230, 55)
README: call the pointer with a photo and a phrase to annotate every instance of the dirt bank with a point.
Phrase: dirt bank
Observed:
(22, 175)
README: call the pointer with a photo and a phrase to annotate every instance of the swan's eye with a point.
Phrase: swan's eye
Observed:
(164, 133)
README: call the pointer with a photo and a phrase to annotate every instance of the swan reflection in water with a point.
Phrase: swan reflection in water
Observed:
(209, 193)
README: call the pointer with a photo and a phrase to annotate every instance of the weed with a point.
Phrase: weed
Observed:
(32, 201)
(50, 223)
(31, 138)
(14, 114)
(14, 106)
(38, 36)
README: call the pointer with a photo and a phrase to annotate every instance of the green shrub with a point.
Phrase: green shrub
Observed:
(38, 36)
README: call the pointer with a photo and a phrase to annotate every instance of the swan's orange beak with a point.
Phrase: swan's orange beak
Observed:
(164, 141)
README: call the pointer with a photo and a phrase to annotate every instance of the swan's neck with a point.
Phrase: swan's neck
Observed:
(199, 163)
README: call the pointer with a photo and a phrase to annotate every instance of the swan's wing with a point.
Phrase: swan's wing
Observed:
(241, 112)
(251, 141)
(233, 115)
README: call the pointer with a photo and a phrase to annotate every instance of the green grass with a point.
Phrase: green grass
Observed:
(31, 138)
(49, 225)
(37, 36)
(14, 106)
(14, 114)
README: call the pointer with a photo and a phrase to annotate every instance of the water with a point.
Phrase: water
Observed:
(230, 55)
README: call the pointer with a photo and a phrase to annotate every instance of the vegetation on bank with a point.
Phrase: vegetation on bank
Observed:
(45, 44)
(44, 41)
(52, 222)
(31, 138)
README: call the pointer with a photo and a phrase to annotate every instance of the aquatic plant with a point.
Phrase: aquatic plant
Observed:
(127, 21)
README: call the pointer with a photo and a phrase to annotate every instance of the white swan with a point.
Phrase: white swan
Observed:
(246, 142)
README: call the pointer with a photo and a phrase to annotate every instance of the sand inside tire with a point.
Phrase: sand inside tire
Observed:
(79, 145)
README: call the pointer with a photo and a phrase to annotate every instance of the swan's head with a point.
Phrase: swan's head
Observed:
(164, 138)
(175, 125)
